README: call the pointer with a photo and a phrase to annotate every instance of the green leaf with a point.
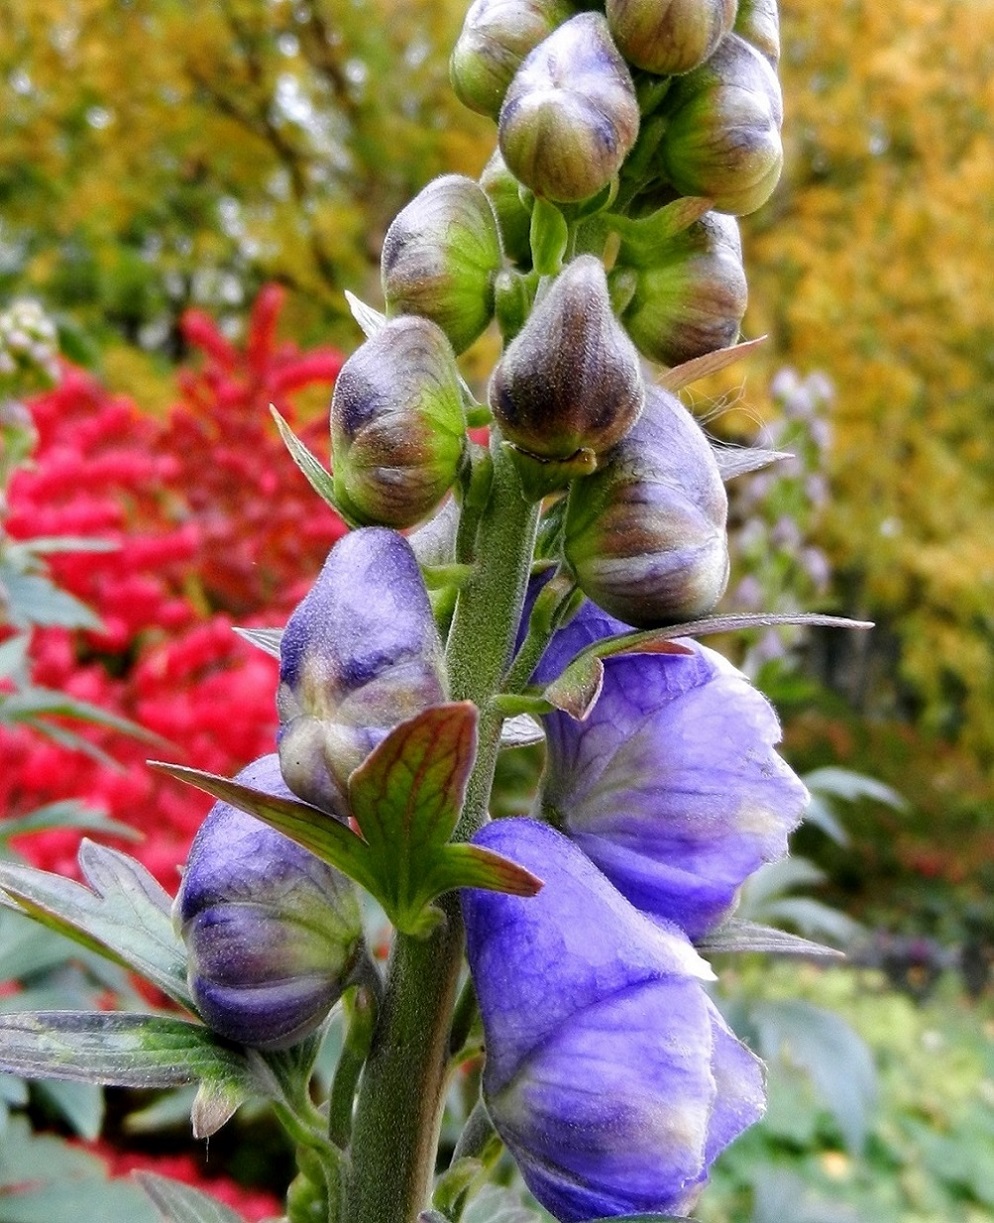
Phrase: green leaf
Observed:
(68, 813)
(33, 599)
(824, 1046)
(852, 786)
(326, 837)
(495, 1204)
(118, 1048)
(319, 478)
(178, 1203)
(737, 936)
(36, 702)
(406, 798)
(80, 1104)
(125, 917)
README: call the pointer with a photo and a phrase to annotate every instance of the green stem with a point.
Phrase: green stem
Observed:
(402, 1092)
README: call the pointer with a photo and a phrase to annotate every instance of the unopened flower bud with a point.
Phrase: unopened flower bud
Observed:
(513, 218)
(570, 116)
(571, 380)
(722, 141)
(645, 534)
(671, 785)
(496, 36)
(609, 1073)
(272, 933)
(758, 22)
(397, 424)
(667, 37)
(359, 655)
(440, 257)
(690, 292)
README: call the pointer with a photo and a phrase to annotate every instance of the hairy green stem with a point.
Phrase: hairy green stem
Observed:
(402, 1092)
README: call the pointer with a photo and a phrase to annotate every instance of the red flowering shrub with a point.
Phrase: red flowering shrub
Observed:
(211, 524)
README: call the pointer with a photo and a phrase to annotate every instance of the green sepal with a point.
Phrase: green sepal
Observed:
(513, 295)
(319, 478)
(641, 236)
(539, 476)
(405, 800)
(549, 238)
(124, 915)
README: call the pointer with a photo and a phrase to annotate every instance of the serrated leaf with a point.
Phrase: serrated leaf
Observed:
(679, 376)
(125, 917)
(737, 936)
(179, 1203)
(316, 474)
(117, 1048)
(266, 639)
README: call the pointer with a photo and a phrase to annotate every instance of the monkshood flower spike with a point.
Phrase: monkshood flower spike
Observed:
(272, 933)
(610, 1075)
(672, 784)
(359, 655)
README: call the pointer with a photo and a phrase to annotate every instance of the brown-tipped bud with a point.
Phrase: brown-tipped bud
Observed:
(440, 257)
(723, 135)
(571, 379)
(496, 36)
(645, 534)
(667, 37)
(758, 22)
(513, 218)
(397, 424)
(570, 116)
(690, 291)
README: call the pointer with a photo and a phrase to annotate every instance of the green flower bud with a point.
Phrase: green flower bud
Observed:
(758, 22)
(722, 141)
(690, 292)
(645, 534)
(440, 257)
(513, 218)
(571, 380)
(669, 36)
(570, 116)
(496, 36)
(397, 424)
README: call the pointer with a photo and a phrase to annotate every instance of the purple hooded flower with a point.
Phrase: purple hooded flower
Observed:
(271, 932)
(671, 785)
(359, 654)
(610, 1075)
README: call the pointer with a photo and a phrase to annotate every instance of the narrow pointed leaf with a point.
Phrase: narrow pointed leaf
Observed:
(66, 814)
(179, 1203)
(473, 866)
(371, 321)
(266, 639)
(319, 478)
(326, 837)
(679, 376)
(739, 936)
(124, 915)
(116, 1048)
(741, 460)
